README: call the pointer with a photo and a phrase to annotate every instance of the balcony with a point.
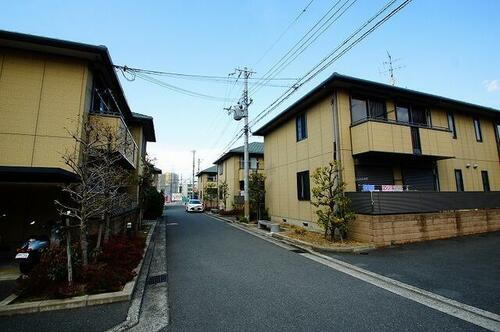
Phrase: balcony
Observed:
(127, 148)
(388, 136)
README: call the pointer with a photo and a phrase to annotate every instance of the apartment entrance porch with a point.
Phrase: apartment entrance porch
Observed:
(393, 172)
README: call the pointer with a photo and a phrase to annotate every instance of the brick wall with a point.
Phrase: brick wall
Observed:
(404, 228)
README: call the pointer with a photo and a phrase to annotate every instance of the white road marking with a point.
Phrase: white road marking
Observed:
(483, 318)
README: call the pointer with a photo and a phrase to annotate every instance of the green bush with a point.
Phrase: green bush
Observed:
(153, 203)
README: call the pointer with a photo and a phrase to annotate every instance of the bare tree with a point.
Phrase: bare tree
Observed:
(96, 163)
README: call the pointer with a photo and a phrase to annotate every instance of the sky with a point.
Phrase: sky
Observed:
(448, 47)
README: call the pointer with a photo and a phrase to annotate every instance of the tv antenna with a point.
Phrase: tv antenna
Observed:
(390, 68)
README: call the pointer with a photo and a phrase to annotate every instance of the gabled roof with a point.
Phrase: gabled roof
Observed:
(97, 56)
(337, 80)
(210, 170)
(254, 148)
(146, 122)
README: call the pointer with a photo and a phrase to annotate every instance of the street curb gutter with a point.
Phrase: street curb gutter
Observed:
(483, 318)
(79, 301)
(352, 249)
(136, 303)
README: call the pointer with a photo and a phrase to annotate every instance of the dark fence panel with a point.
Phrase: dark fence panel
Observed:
(385, 202)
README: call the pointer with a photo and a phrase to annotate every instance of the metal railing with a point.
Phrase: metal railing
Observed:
(402, 123)
(381, 202)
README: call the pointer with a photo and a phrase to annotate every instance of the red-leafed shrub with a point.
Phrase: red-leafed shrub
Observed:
(49, 273)
(122, 252)
(104, 278)
(110, 270)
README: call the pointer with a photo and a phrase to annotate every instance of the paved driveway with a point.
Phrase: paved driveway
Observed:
(223, 279)
(465, 269)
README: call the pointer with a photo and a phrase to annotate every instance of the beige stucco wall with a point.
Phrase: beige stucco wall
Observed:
(42, 98)
(285, 157)
(232, 175)
(468, 151)
(203, 183)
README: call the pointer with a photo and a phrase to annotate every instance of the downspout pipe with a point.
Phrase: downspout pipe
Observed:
(337, 156)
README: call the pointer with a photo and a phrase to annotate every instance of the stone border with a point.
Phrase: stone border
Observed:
(79, 301)
(351, 249)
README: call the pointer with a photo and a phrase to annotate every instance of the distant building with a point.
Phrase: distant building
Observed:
(169, 183)
(207, 185)
(230, 171)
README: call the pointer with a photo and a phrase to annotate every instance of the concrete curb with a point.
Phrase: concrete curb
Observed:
(125, 294)
(352, 249)
(138, 297)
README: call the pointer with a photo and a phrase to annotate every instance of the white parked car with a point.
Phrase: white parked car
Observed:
(194, 205)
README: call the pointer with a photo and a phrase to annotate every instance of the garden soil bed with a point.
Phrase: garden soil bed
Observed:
(317, 240)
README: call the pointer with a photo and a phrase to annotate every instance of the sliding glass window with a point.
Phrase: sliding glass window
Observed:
(403, 114)
(359, 110)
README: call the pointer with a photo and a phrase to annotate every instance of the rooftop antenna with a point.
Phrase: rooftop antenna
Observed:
(390, 68)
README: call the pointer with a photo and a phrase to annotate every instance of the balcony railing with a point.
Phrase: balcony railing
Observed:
(389, 136)
(125, 143)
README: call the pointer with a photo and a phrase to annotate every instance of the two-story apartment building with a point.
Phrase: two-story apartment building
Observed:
(48, 89)
(388, 139)
(207, 180)
(230, 171)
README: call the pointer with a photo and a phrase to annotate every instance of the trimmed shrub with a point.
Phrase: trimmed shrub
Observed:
(153, 203)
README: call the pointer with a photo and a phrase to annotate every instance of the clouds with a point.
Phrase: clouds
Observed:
(170, 158)
(492, 86)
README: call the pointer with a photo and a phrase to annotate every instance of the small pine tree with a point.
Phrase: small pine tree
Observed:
(333, 207)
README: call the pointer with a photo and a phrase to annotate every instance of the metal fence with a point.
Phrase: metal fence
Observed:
(379, 202)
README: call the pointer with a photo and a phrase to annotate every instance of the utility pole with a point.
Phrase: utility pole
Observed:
(240, 111)
(192, 183)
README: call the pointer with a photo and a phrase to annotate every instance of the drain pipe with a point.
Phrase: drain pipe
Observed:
(337, 156)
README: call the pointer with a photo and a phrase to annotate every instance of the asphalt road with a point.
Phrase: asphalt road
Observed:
(223, 279)
(465, 269)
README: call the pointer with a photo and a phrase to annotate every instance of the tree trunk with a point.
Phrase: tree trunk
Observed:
(99, 236)
(84, 245)
(68, 253)
(106, 227)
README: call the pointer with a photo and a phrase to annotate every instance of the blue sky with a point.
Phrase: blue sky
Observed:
(447, 47)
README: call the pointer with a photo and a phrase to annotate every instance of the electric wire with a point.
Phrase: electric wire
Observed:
(309, 42)
(302, 12)
(329, 59)
(185, 75)
(299, 44)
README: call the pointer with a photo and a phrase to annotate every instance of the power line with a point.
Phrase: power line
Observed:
(197, 76)
(302, 41)
(330, 58)
(178, 89)
(284, 32)
(308, 42)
